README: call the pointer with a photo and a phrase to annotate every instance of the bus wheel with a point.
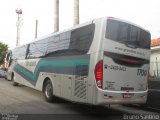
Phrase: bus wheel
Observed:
(14, 83)
(48, 91)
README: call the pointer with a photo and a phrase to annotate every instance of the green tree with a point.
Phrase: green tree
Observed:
(3, 51)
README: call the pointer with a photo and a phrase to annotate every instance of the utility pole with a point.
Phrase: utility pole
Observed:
(76, 12)
(19, 13)
(56, 15)
(157, 67)
(36, 29)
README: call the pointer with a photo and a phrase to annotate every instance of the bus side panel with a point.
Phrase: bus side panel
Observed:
(74, 85)
(17, 77)
(26, 72)
(92, 87)
(95, 56)
(11, 70)
(68, 74)
(70, 81)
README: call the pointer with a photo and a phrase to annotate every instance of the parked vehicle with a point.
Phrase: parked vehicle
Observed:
(153, 98)
(2, 73)
(104, 61)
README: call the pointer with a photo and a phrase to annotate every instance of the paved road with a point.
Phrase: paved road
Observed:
(23, 100)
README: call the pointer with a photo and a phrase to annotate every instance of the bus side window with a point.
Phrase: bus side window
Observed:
(81, 38)
(36, 49)
(19, 53)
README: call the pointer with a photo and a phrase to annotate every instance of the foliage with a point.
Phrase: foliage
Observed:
(3, 51)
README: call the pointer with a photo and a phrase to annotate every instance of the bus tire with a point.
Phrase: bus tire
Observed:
(48, 91)
(13, 82)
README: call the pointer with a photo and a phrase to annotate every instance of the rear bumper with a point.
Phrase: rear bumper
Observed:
(116, 97)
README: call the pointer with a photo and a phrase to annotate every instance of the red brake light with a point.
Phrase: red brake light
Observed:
(99, 73)
(129, 60)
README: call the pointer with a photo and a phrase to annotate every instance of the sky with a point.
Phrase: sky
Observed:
(145, 13)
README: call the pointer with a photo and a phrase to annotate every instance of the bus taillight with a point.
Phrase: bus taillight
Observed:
(129, 60)
(99, 73)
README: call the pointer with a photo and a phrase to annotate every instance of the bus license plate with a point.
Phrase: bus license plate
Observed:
(127, 95)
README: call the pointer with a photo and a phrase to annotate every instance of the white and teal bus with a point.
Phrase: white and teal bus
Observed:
(104, 61)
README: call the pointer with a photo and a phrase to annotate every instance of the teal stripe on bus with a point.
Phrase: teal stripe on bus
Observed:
(51, 66)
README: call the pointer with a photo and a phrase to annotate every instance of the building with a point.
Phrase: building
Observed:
(155, 58)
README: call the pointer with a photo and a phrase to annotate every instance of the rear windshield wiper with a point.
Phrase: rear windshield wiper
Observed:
(128, 44)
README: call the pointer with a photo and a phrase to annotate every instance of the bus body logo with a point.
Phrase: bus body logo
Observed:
(141, 72)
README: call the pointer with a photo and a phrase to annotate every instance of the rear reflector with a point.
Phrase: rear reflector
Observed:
(108, 97)
(99, 73)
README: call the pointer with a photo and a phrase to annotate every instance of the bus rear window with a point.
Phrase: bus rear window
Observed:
(127, 34)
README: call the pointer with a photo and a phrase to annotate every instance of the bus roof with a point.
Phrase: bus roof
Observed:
(83, 24)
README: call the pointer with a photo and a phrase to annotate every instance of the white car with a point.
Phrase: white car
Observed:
(2, 73)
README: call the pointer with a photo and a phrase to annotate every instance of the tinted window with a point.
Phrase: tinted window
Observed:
(123, 32)
(74, 42)
(19, 53)
(58, 43)
(127, 34)
(145, 39)
(81, 38)
(112, 30)
(8, 55)
(37, 49)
